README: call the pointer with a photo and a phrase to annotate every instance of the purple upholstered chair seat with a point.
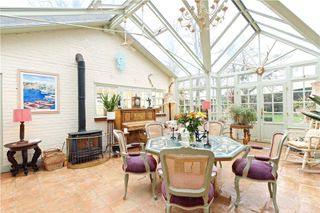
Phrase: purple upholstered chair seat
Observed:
(187, 201)
(135, 164)
(259, 170)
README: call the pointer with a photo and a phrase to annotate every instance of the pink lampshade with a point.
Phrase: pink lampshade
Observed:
(21, 115)
(206, 105)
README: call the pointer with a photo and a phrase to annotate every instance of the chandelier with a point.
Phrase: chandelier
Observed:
(192, 16)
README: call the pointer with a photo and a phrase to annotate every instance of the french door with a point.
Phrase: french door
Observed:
(273, 111)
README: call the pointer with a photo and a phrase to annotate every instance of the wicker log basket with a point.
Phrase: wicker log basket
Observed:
(53, 159)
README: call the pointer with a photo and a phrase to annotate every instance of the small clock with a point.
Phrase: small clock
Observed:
(136, 102)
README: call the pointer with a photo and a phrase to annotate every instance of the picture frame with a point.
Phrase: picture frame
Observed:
(38, 91)
(136, 102)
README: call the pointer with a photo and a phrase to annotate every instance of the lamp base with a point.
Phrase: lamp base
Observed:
(22, 141)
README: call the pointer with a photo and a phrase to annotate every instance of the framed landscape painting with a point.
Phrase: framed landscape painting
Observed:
(39, 92)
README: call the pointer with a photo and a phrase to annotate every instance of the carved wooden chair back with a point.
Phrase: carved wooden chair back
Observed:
(154, 129)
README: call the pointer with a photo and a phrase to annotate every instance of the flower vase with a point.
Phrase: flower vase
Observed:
(192, 137)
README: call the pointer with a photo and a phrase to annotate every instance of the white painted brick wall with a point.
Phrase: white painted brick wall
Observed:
(54, 52)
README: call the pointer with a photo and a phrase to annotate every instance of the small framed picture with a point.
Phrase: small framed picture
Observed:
(136, 102)
(38, 92)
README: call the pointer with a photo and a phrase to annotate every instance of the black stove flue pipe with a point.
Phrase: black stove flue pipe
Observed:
(81, 93)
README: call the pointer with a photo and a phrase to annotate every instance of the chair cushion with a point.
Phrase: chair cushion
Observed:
(301, 145)
(135, 164)
(259, 170)
(187, 201)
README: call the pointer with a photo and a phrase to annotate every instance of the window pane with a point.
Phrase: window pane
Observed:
(268, 107)
(278, 107)
(267, 97)
(277, 97)
(278, 117)
(267, 117)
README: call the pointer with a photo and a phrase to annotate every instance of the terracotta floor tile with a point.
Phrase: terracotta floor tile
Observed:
(101, 189)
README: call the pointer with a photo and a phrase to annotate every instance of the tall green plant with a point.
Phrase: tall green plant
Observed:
(110, 105)
(243, 114)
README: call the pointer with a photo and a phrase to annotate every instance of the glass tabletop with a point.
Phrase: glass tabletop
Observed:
(224, 148)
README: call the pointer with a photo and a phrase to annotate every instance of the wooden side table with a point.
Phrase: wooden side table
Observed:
(23, 147)
(246, 132)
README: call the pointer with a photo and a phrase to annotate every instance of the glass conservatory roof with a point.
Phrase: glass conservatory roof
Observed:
(287, 30)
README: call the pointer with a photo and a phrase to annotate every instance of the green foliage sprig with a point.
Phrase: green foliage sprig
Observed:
(243, 115)
(111, 104)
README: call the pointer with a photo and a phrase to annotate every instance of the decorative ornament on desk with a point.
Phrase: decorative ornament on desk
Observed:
(120, 62)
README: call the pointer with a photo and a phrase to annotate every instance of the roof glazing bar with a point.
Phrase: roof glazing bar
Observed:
(294, 21)
(148, 31)
(57, 11)
(223, 32)
(128, 11)
(276, 59)
(136, 44)
(305, 49)
(246, 15)
(231, 43)
(282, 31)
(238, 51)
(267, 16)
(174, 33)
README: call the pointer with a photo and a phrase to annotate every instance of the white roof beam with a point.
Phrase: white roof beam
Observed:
(174, 33)
(57, 11)
(294, 21)
(148, 31)
(246, 15)
(303, 48)
(128, 11)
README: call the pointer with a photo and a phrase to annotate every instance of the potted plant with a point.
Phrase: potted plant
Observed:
(243, 115)
(110, 105)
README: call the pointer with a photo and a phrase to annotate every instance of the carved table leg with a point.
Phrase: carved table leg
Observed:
(246, 138)
(15, 167)
(36, 155)
(25, 161)
(231, 133)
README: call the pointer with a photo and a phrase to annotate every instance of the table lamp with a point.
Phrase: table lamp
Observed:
(21, 115)
(206, 105)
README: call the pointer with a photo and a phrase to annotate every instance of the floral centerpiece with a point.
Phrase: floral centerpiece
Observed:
(191, 122)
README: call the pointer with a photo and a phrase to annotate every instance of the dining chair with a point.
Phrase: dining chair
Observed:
(261, 168)
(136, 162)
(154, 129)
(215, 128)
(187, 178)
(305, 149)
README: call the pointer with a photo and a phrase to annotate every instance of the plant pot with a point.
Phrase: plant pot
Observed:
(111, 115)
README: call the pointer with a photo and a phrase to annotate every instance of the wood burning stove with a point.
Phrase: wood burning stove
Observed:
(83, 146)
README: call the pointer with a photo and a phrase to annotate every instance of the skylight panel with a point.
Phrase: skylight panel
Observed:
(262, 21)
(237, 26)
(171, 44)
(171, 14)
(300, 42)
(259, 7)
(233, 49)
(231, 13)
(149, 19)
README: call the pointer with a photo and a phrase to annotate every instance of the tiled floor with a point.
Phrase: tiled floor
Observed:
(100, 189)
